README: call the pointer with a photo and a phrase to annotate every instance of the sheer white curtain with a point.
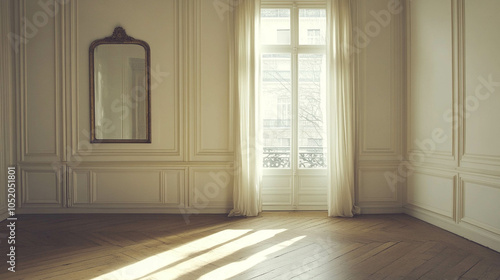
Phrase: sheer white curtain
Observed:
(247, 178)
(341, 111)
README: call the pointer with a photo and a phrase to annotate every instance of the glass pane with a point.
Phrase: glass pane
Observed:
(275, 26)
(311, 109)
(276, 110)
(312, 26)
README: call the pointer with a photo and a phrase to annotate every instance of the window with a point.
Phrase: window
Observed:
(293, 86)
(292, 105)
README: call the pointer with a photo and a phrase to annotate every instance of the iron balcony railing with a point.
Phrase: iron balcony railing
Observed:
(279, 157)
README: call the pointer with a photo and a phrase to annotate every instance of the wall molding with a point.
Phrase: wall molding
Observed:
(82, 149)
(90, 199)
(438, 157)
(194, 46)
(204, 195)
(489, 182)
(470, 160)
(28, 199)
(412, 204)
(26, 153)
(394, 200)
(394, 149)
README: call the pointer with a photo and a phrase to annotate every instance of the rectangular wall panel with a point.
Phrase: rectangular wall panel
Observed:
(431, 89)
(377, 185)
(81, 185)
(126, 186)
(122, 187)
(481, 100)
(432, 191)
(480, 202)
(211, 106)
(39, 84)
(215, 112)
(42, 186)
(379, 85)
(174, 185)
(210, 187)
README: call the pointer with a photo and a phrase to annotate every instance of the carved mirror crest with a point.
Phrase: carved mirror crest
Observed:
(120, 94)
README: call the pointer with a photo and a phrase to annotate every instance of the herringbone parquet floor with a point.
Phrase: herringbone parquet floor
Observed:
(276, 245)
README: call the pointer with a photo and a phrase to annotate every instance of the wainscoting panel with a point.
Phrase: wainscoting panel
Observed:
(480, 207)
(42, 186)
(174, 184)
(433, 191)
(81, 186)
(126, 186)
(210, 188)
(374, 187)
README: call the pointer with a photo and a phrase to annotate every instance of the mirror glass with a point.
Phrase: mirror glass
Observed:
(120, 92)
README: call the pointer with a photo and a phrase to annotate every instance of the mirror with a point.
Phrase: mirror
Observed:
(120, 97)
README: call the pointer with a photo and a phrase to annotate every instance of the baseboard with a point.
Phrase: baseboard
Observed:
(182, 211)
(472, 233)
(298, 208)
(381, 210)
(76, 210)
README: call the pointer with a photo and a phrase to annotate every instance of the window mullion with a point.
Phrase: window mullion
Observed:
(295, 100)
(295, 42)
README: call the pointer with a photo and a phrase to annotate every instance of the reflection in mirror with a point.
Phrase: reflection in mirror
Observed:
(120, 90)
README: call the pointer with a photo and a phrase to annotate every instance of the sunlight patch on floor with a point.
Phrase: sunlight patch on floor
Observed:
(201, 253)
(156, 262)
(235, 268)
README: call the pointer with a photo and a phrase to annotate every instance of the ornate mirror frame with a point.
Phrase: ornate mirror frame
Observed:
(119, 37)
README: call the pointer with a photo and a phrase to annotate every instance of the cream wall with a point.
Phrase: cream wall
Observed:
(186, 168)
(7, 105)
(189, 163)
(452, 110)
(378, 41)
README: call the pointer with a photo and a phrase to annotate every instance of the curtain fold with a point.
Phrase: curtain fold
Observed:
(341, 111)
(247, 176)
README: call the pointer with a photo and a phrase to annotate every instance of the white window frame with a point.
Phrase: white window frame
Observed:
(294, 173)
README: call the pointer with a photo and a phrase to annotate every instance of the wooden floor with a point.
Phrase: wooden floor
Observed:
(276, 245)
